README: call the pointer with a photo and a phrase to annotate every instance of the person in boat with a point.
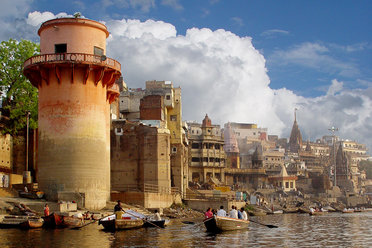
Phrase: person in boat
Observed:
(157, 215)
(221, 212)
(46, 210)
(214, 211)
(240, 215)
(244, 214)
(233, 213)
(312, 210)
(118, 210)
(208, 213)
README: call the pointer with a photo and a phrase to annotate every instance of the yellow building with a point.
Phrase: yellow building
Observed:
(206, 152)
(161, 103)
(283, 180)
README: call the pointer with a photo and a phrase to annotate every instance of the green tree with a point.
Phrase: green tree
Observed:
(17, 94)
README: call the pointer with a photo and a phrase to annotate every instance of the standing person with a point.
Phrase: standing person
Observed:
(221, 212)
(233, 213)
(3, 179)
(244, 214)
(208, 213)
(46, 210)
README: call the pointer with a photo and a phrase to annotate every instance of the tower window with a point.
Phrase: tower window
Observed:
(98, 51)
(60, 48)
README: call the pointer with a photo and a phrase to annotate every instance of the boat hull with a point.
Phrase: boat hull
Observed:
(53, 220)
(32, 223)
(111, 223)
(70, 221)
(222, 224)
(154, 223)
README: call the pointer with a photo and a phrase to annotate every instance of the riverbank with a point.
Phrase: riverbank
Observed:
(8, 205)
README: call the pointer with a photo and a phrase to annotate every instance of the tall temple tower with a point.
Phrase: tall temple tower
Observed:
(76, 86)
(295, 140)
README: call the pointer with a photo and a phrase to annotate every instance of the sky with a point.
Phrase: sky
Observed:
(246, 61)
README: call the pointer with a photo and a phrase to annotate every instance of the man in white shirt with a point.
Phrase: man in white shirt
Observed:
(244, 214)
(233, 213)
(221, 212)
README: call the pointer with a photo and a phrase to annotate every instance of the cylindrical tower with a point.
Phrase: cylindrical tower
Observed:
(76, 86)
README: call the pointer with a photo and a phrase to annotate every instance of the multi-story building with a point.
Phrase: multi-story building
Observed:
(249, 131)
(141, 163)
(161, 102)
(206, 152)
(358, 152)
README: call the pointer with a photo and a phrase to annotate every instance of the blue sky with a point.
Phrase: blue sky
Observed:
(237, 60)
(339, 27)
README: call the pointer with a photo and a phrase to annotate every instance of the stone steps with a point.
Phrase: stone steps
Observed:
(8, 192)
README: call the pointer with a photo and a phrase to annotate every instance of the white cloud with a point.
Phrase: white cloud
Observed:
(12, 14)
(274, 32)
(238, 21)
(316, 56)
(36, 18)
(175, 4)
(223, 75)
(335, 87)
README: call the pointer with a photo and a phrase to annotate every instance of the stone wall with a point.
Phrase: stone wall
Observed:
(147, 200)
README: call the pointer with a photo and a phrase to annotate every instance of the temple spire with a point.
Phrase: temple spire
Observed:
(295, 118)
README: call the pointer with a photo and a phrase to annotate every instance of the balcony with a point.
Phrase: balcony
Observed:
(78, 58)
(101, 69)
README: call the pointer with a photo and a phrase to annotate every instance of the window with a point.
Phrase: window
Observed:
(174, 149)
(291, 185)
(167, 97)
(173, 117)
(286, 185)
(195, 145)
(98, 51)
(60, 48)
(195, 159)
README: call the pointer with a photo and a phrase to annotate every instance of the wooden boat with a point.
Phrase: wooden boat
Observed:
(111, 223)
(32, 223)
(53, 220)
(316, 213)
(15, 221)
(121, 224)
(154, 223)
(217, 224)
(348, 210)
(70, 221)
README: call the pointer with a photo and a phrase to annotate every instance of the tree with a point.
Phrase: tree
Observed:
(17, 94)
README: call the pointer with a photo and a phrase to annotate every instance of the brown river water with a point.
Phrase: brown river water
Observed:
(295, 230)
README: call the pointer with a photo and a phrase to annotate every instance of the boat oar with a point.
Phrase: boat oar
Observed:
(144, 220)
(269, 226)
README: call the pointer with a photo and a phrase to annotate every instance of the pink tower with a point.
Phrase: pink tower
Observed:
(76, 86)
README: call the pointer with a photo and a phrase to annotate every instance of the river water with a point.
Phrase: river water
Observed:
(295, 230)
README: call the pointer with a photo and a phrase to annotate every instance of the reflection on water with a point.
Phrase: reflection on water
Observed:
(295, 230)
